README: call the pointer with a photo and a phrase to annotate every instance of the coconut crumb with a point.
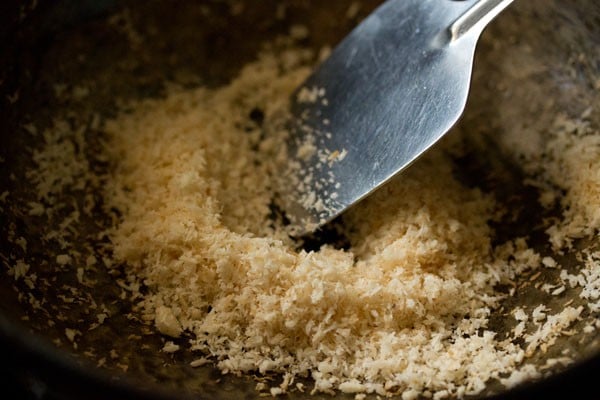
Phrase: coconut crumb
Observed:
(71, 334)
(199, 362)
(167, 323)
(63, 259)
(19, 270)
(170, 347)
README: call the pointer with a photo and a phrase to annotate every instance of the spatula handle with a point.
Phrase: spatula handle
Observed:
(477, 17)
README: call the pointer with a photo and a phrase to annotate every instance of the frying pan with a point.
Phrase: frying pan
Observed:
(128, 50)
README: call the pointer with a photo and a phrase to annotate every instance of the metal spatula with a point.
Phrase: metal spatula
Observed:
(390, 90)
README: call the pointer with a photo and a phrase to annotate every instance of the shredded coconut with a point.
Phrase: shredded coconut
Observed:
(405, 309)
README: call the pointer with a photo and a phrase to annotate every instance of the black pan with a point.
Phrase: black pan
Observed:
(204, 43)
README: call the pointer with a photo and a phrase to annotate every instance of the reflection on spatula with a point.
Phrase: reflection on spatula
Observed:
(390, 90)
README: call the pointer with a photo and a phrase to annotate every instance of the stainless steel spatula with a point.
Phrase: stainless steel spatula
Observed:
(390, 90)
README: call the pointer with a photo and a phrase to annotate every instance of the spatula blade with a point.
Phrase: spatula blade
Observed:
(390, 90)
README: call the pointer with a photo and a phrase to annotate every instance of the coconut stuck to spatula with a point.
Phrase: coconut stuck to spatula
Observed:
(388, 92)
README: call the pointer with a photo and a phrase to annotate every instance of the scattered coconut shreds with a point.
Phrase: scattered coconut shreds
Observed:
(405, 310)
(572, 163)
(528, 372)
